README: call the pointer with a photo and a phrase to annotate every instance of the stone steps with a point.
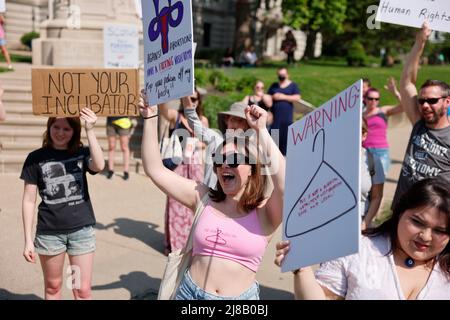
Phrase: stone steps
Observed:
(14, 146)
(22, 131)
(23, 18)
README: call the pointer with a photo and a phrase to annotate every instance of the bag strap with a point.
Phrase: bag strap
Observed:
(198, 212)
(371, 164)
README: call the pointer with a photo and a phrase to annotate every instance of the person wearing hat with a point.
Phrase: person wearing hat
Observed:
(233, 119)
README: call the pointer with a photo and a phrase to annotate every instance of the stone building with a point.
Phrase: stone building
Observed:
(72, 30)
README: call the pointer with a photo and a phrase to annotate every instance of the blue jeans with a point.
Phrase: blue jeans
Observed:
(188, 290)
(383, 155)
(74, 243)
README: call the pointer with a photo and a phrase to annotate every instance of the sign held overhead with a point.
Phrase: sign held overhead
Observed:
(415, 13)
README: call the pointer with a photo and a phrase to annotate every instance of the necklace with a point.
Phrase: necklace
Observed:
(409, 262)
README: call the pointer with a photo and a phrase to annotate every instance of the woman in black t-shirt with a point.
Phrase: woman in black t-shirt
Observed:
(65, 215)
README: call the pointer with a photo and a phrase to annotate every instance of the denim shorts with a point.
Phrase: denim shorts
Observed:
(383, 154)
(188, 290)
(74, 243)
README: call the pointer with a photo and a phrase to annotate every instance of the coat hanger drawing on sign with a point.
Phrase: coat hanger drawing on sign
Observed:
(326, 197)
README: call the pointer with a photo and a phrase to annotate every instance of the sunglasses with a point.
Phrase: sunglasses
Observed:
(193, 99)
(259, 87)
(233, 160)
(430, 101)
(372, 99)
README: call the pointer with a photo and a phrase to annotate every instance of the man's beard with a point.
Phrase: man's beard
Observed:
(437, 115)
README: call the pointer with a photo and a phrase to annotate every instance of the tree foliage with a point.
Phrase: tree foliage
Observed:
(360, 25)
(315, 15)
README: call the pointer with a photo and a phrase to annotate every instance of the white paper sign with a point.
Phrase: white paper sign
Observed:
(2, 6)
(322, 194)
(414, 13)
(121, 46)
(168, 52)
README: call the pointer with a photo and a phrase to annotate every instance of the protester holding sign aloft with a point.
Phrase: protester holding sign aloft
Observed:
(234, 228)
(405, 258)
(427, 153)
(65, 216)
(178, 218)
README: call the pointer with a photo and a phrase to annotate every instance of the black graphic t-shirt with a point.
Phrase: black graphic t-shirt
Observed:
(61, 181)
(427, 155)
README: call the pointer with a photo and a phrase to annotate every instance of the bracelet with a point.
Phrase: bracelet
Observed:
(145, 118)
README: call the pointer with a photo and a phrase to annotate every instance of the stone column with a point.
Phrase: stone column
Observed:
(74, 37)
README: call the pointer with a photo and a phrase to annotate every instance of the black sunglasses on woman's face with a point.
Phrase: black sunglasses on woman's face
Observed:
(233, 159)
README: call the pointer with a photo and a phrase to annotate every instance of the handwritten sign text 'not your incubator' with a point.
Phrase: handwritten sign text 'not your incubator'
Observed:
(64, 92)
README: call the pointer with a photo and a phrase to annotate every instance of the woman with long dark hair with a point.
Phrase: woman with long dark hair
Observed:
(405, 258)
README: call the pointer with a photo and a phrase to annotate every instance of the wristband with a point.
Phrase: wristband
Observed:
(145, 118)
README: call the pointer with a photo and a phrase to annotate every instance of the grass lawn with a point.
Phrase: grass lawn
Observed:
(319, 81)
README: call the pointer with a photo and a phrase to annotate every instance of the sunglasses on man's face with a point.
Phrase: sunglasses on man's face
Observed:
(233, 160)
(194, 99)
(430, 101)
(373, 99)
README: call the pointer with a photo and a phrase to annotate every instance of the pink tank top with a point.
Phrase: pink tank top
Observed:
(377, 136)
(237, 239)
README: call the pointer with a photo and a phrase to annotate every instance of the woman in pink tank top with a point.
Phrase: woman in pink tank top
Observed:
(377, 120)
(245, 209)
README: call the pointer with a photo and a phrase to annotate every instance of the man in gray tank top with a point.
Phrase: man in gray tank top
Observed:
(428, 151)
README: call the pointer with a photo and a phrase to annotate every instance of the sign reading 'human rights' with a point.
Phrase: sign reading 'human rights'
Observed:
(415, 13)
(64, 92)
(168, 49)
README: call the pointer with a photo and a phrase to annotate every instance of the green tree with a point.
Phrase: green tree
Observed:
(314, 16)
(360, 25)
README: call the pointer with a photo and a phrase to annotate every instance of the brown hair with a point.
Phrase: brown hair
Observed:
(199, 108)
(254, 190)
(371, 90)
(364, 126)
(445, 88)
(74, 143)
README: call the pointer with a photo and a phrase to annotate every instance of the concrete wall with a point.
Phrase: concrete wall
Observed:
(74, 37)
(23, 16)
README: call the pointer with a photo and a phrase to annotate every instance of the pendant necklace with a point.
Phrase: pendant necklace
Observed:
(409, 262)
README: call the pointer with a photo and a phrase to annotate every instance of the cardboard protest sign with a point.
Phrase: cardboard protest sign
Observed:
(414, 13)
(121, 46)
(64, 92)
(322, 193)
(168, 52)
